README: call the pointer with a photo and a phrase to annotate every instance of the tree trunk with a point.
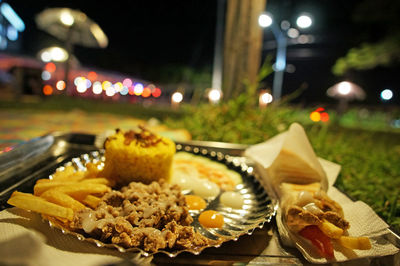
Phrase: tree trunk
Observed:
(242, 45)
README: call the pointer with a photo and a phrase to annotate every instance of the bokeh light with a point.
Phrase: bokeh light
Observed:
(146, 92)
(156, 92)
(177, 97)
(266, 98)
(118, 87)
(60, 85)
(92, 75)
(138, 89)
(110, 91)
(319, 114)
(97, 88)
(344, 88)
(45, 56)
(304, 21)
(124, 90)
(82, 85)
(324, 117)
(66, 18)
(293, 33)
(315, 116)
(58, 54)
(46, 75)
(214, 95)
(51, 67)
(106, 84)
(264, 20)
(386, 95)
(47, 90)
(127, 82)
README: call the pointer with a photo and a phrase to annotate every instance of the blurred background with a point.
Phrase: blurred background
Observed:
(221, 70)
(167, 46)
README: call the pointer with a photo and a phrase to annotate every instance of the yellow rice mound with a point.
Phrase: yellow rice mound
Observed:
(139, 156)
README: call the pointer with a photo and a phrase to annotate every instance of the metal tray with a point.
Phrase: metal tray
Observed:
(257, 210)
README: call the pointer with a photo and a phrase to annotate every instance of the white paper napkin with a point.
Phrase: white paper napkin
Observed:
(363, 220)
(27, 240)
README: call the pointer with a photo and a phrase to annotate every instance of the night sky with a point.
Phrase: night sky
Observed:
(146, 35)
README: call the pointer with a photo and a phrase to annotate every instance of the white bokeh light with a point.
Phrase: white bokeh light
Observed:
(66, 18)
(264, 20)
(266, 98)
(45, 56)
(387, 94)
(214, 95)
(344, 88)
(97, 88)
(177, 97)
(304, 21)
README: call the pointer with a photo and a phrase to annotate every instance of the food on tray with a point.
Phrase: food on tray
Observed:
(30, 202)
(291, 171)
(150, 217)
(318, 218)
(138, 156)
(211, 219)
(60, 197)
(232, 199)
(203, 176)
(146, 215)
(195, 202)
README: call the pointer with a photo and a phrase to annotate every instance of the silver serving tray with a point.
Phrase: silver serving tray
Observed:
(257, 210)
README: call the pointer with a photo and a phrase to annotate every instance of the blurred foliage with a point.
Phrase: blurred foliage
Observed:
(382, 46)
(369, 56)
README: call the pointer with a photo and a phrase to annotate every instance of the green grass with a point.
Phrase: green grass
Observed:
(366, 147)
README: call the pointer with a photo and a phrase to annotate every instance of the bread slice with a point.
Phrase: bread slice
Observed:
(290, 158)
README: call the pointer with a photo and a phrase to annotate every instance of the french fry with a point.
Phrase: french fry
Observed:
(42, 186)
(330, 229)
(91, 201)
(355, 242)
(80, 190)
(62, 175)
(92, 170)
(57, 197)
(30, 202)
(99, 180)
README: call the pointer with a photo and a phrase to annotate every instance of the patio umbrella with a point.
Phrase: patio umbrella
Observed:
(345, 91)
(73, 27)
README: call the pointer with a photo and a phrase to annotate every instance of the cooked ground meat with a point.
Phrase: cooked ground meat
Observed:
(298, 218)
(336, 219)
(150, 217)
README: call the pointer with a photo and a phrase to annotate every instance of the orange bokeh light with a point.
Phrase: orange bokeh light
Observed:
(92, 75)
(146, 92)
(319, 114)
(51, 67)
(315, 116)
(324, 117)
(47, 90)
(156, 92)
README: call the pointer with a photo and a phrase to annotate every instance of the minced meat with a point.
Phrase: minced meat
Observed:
(149, 217)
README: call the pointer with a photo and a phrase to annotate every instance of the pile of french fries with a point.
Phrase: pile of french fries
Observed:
(337, 234)
(66, 192)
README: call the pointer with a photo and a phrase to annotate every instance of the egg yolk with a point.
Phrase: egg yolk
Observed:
(195, 202)
(211, 219)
